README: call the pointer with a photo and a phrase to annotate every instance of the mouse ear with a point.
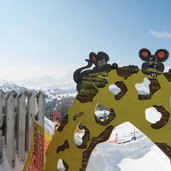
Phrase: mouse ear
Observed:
(103, 55)
(162, 54)
(144, 54)
(93, 57)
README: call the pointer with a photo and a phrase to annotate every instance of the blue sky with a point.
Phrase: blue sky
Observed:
(53, 37)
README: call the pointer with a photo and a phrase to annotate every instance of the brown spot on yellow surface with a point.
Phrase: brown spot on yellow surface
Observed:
(63, 123)
(63, 147)
(154, 86)
(96, 140)
(164, 119)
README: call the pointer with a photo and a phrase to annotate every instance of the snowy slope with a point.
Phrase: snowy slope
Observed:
(128, 154)
(56, 93)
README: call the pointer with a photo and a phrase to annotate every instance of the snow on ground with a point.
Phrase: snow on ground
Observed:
(102, 115)
(143, 88)
(49, 126)
(60, 165)
(155, 160)
(114, 89)
(78, 137)
(78, 134)
(152, 115)
(125, 132)
(4, 166)
(52, 96)
(126, 154)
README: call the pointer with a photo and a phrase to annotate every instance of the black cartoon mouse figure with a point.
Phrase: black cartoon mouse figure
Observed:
(153, 63)
(99, 61)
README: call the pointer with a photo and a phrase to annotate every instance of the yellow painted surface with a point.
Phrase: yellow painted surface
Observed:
(129, 108)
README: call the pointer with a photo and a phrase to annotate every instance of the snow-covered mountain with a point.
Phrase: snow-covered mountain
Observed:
(51, 92)
(8, 86)
(56, 93)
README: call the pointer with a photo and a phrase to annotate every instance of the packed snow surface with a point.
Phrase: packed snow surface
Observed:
(4, 166)
(123, 153)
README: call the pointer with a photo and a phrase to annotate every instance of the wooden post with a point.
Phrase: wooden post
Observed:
(1, 122)
(22, 125)
(11, 128)
(30, 120)
(41, 105)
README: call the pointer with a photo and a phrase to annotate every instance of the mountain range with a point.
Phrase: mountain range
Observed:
(47, 82)
(52, 88)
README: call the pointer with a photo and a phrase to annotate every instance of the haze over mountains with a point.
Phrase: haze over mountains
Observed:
(53, 88)
(47, 82)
